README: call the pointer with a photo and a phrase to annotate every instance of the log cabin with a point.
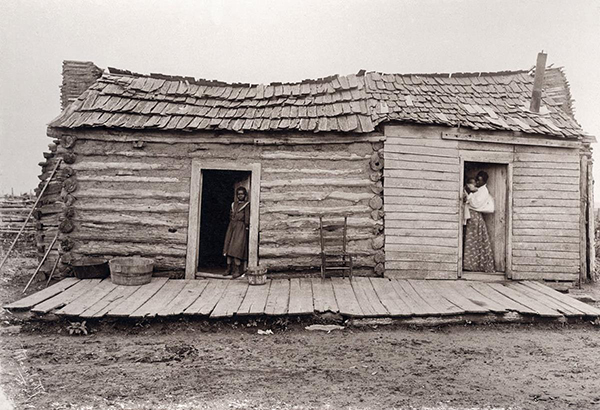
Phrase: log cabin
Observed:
(150, 164)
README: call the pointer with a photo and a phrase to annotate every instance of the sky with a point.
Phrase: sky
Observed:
(264, 41)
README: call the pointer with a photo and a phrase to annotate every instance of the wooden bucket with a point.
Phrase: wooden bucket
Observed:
(131, 271)
(257, 276)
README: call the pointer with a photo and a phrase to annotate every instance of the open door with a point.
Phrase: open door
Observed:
(496, 223)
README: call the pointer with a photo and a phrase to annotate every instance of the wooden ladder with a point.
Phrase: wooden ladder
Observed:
(335, 259)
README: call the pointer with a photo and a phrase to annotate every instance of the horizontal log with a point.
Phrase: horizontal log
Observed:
(134, 234)
(313, 156)
(430, 233)
(400, 247)
(408, 265)
(315, 210)
(130, 249)
(353, 197)
(311, 171)
(426, 151)
(293, 251)
(317, 182)
(420, 158)
(422, 185)
(170, 220)
(415, 192)
(419, 216)
(130, 193)
(425, 257)
(420, 166)
(528, 275)
(160, 208)
(126, 178)
(523, 248)
(161, 262)
(546, 232)
(420, 274)
(422, 142)
(447, 210)
(414, 200)
(421, 175)
(439, 242)
(267, 222)
(281, 264)
(300, 237)
(124, 165)
(420, 225)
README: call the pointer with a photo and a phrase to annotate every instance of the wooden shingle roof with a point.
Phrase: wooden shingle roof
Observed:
(353, 103)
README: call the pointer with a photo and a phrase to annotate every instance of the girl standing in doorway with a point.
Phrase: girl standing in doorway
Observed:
(478, 256)
(236, 238)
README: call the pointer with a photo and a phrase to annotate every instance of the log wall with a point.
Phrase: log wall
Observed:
(129, 193)
(422, 182)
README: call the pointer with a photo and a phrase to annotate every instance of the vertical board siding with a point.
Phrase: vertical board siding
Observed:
(546, 206)
(421, 186)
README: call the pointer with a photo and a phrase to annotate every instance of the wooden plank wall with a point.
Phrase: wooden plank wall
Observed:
(132, 195)
(546, 220)
(421, 186)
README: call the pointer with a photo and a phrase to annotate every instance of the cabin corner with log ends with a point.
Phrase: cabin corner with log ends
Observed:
(542, 204)
(128, 193)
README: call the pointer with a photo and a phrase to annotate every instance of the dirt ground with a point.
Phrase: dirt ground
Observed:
(228, 365)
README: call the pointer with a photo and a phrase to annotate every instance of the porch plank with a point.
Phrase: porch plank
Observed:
(324, 296)
(367, 298)
(540, 309)
(345, 297)
(279, 296)
(79, 305)
(500, 299)
(45, 294)
(209, 298)
(448, 291)
(389, 298)
(477, 298)
(191, 291)
(160, 299)
(442, 305)
(255, 300)
(116, 297)
(406, 292)
(566, 310)
(138, 298)
(231, 299)
(67, 296)
(581, 306)
(301, 297)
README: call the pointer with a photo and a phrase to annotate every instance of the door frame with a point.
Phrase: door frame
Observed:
(504, 158)
(193, 241)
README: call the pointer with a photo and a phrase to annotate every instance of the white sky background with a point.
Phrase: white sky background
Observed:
(265, 41)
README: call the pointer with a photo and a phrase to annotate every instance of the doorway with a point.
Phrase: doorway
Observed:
(218, 193)
(496, 222)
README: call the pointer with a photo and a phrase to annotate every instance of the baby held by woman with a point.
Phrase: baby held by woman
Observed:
(469, 189)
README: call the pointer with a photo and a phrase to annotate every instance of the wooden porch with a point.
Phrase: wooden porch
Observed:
(359, 297)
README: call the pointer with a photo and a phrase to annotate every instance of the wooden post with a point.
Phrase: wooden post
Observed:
(30, 213)
(582, 223)
(43, 260)
(538, 82)
(591, 223)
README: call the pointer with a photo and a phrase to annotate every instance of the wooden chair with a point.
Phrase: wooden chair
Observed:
(334, 253)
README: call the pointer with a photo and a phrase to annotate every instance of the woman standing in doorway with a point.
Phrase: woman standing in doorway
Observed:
(478, 255)
(236, 238)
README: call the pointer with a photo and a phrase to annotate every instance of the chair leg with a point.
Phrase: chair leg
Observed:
(322, 265)
(350, 260)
